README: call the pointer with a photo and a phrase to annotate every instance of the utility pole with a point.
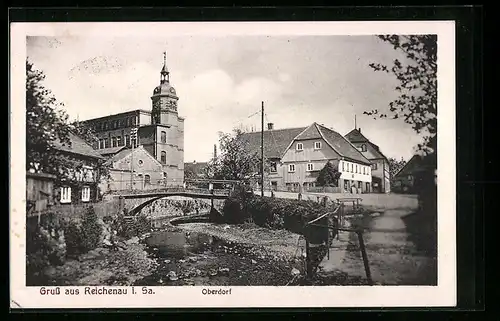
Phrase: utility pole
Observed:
(262, 152)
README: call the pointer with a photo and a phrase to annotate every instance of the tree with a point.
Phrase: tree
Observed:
(235, 162)
(85, 132)
(46, 127)
(417, 104)
(395, 165)
(328, 176)
(45, 124)
(417, 88)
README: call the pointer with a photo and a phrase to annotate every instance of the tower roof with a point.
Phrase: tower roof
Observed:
(164, 70)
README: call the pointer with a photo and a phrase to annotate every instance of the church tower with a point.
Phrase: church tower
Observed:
(164, 98)
(166, 141)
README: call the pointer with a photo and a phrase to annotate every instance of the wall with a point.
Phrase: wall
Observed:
(318, 157)
(363, 173)
(144, 164)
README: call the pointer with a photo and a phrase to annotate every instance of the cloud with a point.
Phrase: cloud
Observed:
(222, 80)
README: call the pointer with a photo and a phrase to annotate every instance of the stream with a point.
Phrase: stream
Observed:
(188, 258)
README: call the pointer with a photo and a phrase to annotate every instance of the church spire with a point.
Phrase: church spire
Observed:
(165, 74)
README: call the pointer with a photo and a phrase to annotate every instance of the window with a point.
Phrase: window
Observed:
(374, 166)
(363, 148)
(163, 137)
(310, 167)
(147, 179)
(101, 144)
(317, 145)
(85, 194)
(291, 168)
(163, 158)
(343, 166)
(115, 124)
(274, 167)
(352, 171)
(119, 141)
(356, 169)
(113, 141)
(126, 141)
(134, 142)
(300, 146)
(364, 170)
(65, 194)
(140, 162)
(105, 125)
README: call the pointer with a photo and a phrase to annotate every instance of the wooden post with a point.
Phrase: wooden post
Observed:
(365, 257)
(308, 260)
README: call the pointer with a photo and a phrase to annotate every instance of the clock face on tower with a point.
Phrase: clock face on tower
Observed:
(172, 90)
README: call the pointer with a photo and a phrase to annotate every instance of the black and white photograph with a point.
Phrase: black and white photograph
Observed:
(215, 159)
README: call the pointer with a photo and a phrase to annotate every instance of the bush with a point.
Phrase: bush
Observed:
(273, 213)
(45, 246)
(74, 238)
(91, 230)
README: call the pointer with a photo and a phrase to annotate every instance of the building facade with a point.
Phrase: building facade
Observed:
(380, 164)
(404, 179)
(296, 155)
(160, 130)
(134, 169)
(81, 184)
(312, 149)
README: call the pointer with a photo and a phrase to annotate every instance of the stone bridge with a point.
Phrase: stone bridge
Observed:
(133, 202)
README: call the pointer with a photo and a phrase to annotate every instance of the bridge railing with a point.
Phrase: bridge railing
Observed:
(188, 190)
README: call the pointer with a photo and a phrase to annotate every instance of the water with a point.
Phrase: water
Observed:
(179, 244)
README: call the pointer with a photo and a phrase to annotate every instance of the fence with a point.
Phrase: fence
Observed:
(321, 231)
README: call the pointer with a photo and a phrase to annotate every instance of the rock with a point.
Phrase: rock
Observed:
(49, 271)
(295, 272)
(226, 227)
(193, 259)
(166, 261)
(182, 261)
(107, 243)
(133, 240)
(172, 276)
(224, 270)
(254, 262)
(212, 272)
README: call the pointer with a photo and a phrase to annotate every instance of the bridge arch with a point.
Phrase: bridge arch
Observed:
(150, 198)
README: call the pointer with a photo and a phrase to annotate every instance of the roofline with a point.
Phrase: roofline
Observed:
(411, 159)
(347, 140)
(291, 143)
(72, 152)
(122, 113)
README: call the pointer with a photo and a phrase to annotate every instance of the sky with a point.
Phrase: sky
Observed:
(221, 82)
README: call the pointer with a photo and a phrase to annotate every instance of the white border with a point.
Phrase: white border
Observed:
(444, 294)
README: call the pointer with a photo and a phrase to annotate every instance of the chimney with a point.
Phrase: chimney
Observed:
(270, 126)
(359, 129)
(215, 151)
(194, 162)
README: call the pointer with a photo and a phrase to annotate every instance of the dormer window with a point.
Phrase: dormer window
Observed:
(317, 145)
(363, 148)
(300, 146)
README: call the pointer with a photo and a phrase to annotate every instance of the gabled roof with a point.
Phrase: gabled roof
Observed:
(341, 145)
(355, 136)
(125, 152)
(412, 166)
(110, 150)
(78, 146)
(276, 141)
